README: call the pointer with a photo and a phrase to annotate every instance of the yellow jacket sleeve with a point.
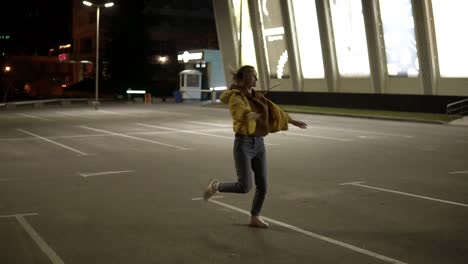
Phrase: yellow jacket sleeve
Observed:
(277, 118)
(239, 108)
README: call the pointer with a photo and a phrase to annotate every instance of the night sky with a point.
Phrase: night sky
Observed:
(34, 26)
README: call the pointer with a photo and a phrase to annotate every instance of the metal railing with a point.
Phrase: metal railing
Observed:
(458, 108)
(41, 103)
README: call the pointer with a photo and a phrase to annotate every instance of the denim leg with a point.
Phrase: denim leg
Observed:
(243, 152)
(259, 167)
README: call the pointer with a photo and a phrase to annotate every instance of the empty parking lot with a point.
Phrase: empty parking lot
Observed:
(123, 185)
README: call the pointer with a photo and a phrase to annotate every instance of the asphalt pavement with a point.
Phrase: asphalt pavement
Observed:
(123, 184)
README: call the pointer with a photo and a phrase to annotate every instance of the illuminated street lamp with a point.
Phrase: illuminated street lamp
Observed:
(7, 69)
(163, 59)
(98, 8)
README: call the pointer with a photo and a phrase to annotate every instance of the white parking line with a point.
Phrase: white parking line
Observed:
(35, 236)
(107, 135)
(15, 215)
(314, 235)
(138, 113)
(171, 132)
(211, 124)
(15, 139)
(314, 136)
(361, 131)
(214, 197)
(184, 131)
(72, 115)
(53, 142)
(136, 138)
(85, 175)
(284, 132)
(193, 132)
(112, 113)
(459, 172)
(39, 241)
(359, 184)
(35, 117)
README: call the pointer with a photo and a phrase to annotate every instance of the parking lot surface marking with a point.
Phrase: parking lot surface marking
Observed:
(53, 142)
(35, 117)
(459, 172)
(136, 138)
(193, 132)
(85, 175)
(360, 131)
(359, 184)
(314, 235)
(314, 136)
(39, 241)
(15, 215)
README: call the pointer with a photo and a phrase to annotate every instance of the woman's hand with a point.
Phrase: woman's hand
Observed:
(299, 124)
(253, 116)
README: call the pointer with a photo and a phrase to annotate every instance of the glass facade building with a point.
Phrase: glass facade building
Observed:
(413, 47)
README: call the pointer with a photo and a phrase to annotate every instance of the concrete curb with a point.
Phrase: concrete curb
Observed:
(374, 117)
(438, 122)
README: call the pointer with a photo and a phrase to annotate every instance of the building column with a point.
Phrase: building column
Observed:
(375, 45)
(262, 66)
(293, 47)
(227, 39)
(327, 40)
(426, 43)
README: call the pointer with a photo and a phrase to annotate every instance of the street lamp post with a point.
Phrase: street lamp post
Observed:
(98, 9)
(8, 82)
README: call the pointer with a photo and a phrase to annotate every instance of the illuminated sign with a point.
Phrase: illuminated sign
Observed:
(187, 56)
(65, 46)
(5, 37)
(130, 91)
(63, 56)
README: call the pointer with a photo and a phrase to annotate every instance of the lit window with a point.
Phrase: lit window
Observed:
(350, 37)
(450, 19)
(399, 36)
(275, 43)
(308, 38)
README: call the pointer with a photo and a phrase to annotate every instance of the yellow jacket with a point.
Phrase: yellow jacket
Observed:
(239, 107)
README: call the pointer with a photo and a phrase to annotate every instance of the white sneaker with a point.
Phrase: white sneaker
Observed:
(211, 189)
(255, 221)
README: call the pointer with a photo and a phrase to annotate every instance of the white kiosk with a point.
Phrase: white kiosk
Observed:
(203, 72)
(190, 84)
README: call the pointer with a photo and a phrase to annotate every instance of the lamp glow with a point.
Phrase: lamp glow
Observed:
(162, 59)
(130, 91)
(86, 3)
(110, 4)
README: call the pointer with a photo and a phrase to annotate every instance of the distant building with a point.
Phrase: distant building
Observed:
(28, 30)
(387, 54)
(172, 26)
(37, 77)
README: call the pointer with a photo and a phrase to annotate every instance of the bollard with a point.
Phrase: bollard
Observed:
(213, 96)
(148, 98)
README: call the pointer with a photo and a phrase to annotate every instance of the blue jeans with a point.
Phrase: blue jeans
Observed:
(249, 156)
